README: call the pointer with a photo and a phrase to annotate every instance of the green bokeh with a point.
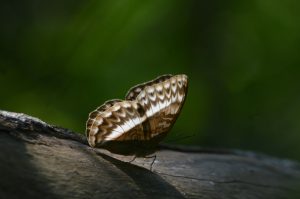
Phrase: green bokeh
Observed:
(61, 59)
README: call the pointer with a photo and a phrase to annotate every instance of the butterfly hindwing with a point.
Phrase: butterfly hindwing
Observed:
(96, 112)
(121, 121)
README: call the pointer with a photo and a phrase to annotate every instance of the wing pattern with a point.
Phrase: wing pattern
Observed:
(135, 91)
(162, 103)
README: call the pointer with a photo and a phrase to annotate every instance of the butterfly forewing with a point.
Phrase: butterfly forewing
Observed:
(162, 103)
(135, 91)
(140, 121)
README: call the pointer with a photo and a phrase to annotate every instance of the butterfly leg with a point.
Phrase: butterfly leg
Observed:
(134, 157)
(154, 158)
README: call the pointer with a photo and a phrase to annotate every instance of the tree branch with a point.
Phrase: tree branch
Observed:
(39, 160)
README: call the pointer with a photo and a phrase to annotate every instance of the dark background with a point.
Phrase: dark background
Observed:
(61, 59)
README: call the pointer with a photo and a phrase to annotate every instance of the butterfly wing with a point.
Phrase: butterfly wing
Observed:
(93, 115)
(135, 91)
(162, 102)
(115, 121)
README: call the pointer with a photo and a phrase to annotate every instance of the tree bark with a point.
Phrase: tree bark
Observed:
(38, 160)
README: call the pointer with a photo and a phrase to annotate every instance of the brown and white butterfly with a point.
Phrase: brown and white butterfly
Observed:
(136, 125)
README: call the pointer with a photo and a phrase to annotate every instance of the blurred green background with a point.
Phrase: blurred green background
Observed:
(61, 59)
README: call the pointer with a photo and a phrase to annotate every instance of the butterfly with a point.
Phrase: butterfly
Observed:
(136, 125)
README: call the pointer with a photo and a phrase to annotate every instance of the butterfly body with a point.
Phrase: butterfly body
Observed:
(136, 125)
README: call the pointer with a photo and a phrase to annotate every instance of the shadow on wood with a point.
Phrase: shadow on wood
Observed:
(39, 160)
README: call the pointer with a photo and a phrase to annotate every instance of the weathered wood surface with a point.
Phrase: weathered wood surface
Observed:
(38, 160)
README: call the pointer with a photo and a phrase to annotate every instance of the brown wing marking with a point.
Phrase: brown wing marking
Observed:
(95, 113)
(135, 91)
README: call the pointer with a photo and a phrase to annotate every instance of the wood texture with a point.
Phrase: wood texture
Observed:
(38, 160)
